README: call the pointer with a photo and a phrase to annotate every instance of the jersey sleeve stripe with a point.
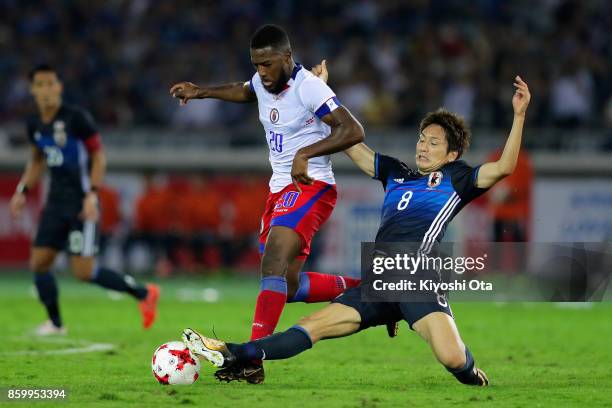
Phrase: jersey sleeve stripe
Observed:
(83, 158)
(93, 143)
(328, 106)
(475, 175)
(251, 85)
(376, 166)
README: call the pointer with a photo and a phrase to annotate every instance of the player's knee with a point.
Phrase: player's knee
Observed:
(36, 266)
(273, 264)
(39, 265)
(451, 357)
(83, 272)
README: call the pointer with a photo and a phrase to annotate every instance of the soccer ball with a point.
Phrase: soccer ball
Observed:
(174, 364)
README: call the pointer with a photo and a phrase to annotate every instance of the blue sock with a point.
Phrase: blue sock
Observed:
(47, 293)
(466, 374)
(301, 294)
(110, 279)
(275, 347)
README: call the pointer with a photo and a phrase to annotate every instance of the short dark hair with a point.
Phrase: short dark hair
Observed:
(457, 132)
(41, 68)
(271, 35)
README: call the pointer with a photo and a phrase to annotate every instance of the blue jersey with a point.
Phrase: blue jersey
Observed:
(417, 207)
(65, 142)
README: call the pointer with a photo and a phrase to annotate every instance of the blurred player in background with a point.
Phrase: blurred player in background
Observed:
(65, 139)
(510, 201)
(304, 123)
(419, 203)
(509, 204)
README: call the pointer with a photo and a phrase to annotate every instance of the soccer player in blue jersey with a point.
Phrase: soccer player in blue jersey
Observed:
(64, 139)
(419, 203)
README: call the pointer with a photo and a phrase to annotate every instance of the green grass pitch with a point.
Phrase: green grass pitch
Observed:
(536, 355)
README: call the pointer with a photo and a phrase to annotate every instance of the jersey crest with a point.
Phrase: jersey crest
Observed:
(274, 115)
(435, 179)
(59, 133)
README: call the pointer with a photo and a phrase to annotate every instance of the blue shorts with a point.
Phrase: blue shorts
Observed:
(380, 313)
(62, 229)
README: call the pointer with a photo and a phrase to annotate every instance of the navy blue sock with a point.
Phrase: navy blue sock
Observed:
(47, 293)
(110, 279)
(275, 347)
(466, 374)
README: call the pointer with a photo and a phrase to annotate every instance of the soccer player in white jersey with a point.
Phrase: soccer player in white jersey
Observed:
(304, 122)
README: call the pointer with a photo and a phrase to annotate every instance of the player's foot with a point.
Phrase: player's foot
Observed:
(209, 349)
(392, 329)
(148, 306)
(484, 381)
(251, 373)
(49, 329)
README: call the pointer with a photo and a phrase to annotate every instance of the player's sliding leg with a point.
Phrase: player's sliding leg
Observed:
(41, 261)
(335, 320)
(86, 269)
(438, 329)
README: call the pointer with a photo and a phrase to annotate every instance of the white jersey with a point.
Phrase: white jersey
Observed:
(291, 120)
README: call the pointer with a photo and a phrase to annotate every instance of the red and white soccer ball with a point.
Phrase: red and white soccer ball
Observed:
(174, 364)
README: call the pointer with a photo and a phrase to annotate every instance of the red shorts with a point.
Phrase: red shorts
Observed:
(303, 212)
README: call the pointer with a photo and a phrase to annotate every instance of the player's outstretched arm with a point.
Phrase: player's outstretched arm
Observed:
(363, 157)
(360, 153)
(239, 92)
(490, 173)
(31, 176)
(346, 131)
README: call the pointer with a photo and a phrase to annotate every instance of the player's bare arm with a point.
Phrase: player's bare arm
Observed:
(32, 174)
(360, 153)
(239, 92)
(346, 131)
(490, 173)
(90, 201)
(363, 157)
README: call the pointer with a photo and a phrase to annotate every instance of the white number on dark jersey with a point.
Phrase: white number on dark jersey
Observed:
(55, 158)
(403, 203)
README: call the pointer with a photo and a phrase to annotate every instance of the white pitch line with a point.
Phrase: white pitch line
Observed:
(86, 347)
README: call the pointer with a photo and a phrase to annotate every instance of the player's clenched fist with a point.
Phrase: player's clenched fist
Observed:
(521, 97)
(184, 91)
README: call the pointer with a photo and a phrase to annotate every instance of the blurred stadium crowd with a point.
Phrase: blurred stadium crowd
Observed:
(390, 61)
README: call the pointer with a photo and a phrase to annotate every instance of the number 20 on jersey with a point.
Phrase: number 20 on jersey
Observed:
(276, 142)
